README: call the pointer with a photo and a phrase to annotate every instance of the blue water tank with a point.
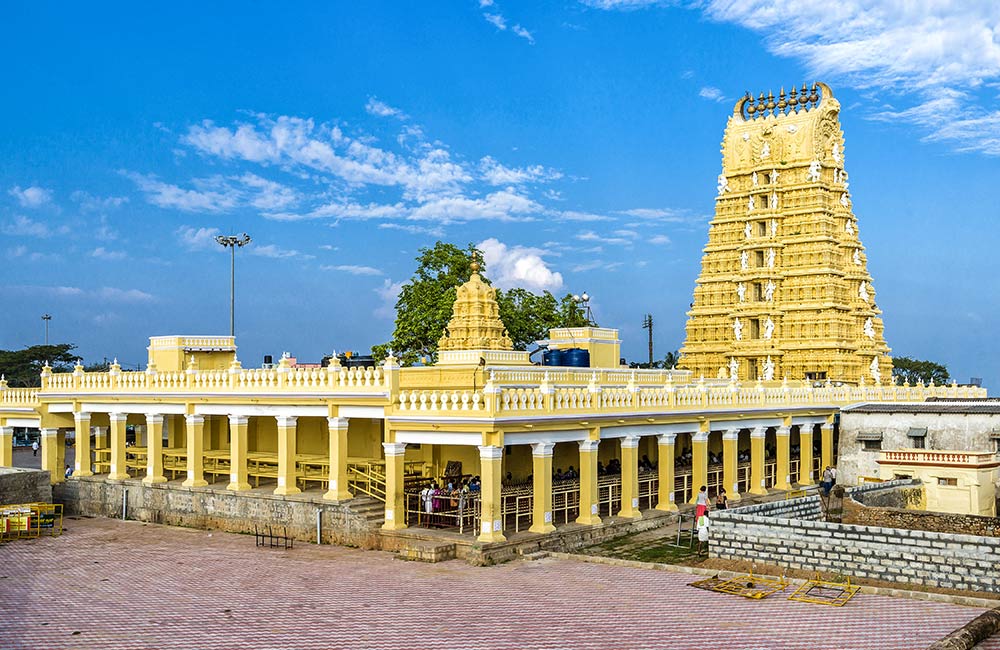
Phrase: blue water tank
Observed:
(553, 357)
(577, 358)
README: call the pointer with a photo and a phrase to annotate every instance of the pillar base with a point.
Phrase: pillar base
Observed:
(735, 496)
(542, 528)
(491, 537)
(758, 490)
(669, 506)
(589, 520)
(284, 491)
(118, 477)
(149, 480)
(392, 525)
(194, 483)
(632, 514)
(338, 495)
(82, 472)
(238, 487)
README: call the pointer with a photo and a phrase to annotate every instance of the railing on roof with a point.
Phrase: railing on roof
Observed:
(547, 396)
(239, 380)
(937, 457)
(18, 397)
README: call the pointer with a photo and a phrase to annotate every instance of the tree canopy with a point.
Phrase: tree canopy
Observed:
(23, 368)
(914, 370)
(425, 305)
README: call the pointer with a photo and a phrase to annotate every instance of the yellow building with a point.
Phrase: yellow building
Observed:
(550, 445)
(784, 289)
(527, 449)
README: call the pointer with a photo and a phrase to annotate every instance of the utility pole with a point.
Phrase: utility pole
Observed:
(233, 242)
(647, 324)
(46, 318)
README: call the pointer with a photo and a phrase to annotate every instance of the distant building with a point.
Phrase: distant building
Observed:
(952, 446)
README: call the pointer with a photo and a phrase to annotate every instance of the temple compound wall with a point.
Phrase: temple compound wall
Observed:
(19, 485)
(771, 533)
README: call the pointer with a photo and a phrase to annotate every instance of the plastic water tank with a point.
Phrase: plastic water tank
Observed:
(577, 358)
(553, 357)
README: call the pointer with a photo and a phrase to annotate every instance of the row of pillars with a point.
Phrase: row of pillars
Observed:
(490, 457)
(53, 452)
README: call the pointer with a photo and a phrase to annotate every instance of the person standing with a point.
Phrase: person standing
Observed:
(721, 500)
(703, 524)
(34, 447)
(701, 505)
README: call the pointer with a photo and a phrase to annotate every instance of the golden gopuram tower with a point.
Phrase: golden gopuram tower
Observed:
(784, 289)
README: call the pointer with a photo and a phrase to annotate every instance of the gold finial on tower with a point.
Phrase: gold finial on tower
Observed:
(475, 323)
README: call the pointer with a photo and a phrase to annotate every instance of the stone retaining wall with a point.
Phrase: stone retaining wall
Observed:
(939, 522)
(213, 509)
(933, 559)
(19, 485)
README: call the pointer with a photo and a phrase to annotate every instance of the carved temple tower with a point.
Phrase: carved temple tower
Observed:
(784, 289)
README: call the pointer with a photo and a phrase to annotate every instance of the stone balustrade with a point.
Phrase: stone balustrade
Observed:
(936, 457)
(238, 380)
(18, 397)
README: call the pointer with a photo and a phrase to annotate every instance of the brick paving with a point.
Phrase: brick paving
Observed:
(114, 584)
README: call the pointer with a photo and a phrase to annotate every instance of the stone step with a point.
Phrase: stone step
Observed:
(419, 551)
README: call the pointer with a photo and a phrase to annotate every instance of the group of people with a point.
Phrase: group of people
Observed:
(450, 494)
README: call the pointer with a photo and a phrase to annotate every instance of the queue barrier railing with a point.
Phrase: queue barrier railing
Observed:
(28, 520)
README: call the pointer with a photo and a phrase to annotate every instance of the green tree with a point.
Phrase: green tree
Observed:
(425, 305)
(914, 370)
(23, 368)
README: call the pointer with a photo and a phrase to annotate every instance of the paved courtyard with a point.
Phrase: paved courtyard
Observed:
(113, 584)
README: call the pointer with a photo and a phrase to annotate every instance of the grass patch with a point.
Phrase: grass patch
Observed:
(645, 550)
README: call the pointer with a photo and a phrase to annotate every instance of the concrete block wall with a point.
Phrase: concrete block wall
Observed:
(897, 555)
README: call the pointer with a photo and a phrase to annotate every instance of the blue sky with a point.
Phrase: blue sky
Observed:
(577, 141)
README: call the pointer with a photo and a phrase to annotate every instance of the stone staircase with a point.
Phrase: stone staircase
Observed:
(370, 508)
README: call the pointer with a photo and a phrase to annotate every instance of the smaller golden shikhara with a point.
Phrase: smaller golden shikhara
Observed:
(475, 323)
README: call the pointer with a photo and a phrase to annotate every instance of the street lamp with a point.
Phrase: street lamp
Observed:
(232, 242)
(46, 318)
(584, 302)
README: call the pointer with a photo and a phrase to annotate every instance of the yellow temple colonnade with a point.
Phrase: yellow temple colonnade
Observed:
(783, 332)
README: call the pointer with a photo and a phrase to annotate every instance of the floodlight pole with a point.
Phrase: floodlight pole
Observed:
(46, 318)
(232, 242)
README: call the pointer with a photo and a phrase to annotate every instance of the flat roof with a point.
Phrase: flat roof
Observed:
(983, 407)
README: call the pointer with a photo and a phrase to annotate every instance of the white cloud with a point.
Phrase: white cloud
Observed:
(485, 3)
(523, 33)
(24, 227)
(197, 238)
(413, 229)
(712, 93)
(660, 240)
(518, 266)
(381, 109)
(104, 254)
(106, 294)
(298, 142)
(496, 20)
(210, 195)
(275, 252)
(353, 269)
(388, 293)
(505, 205)
(914, 53)
(113, 294)
(268, 195)
(31, 197)
(91, 203)
(497, 174)
(575, 215)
